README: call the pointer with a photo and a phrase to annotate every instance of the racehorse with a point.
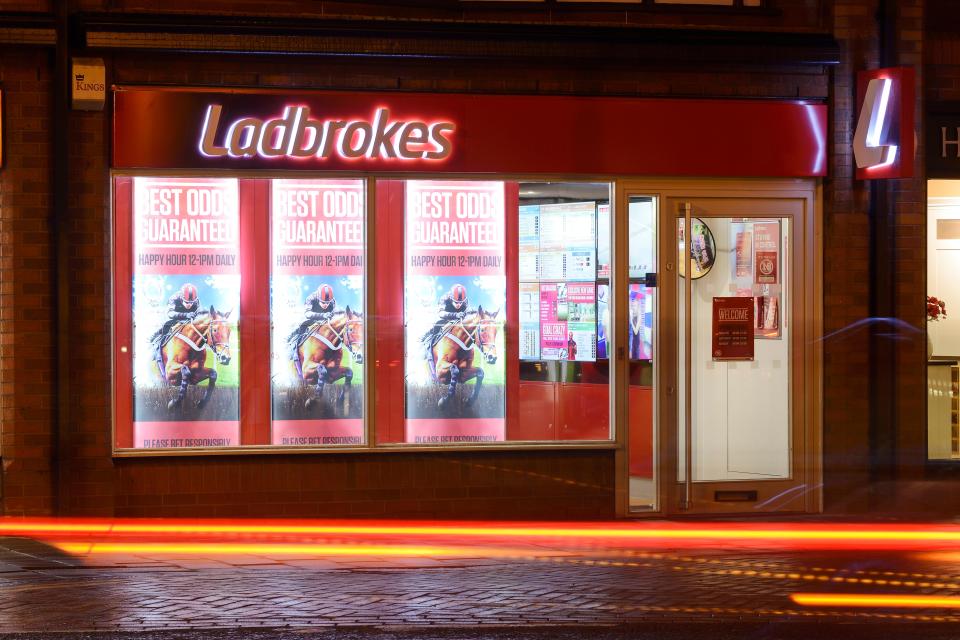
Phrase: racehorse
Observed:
(320, 354)
(183, 356)
(453, 352)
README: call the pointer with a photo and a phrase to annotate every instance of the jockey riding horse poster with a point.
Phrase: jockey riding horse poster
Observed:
(186, 307)
(455, 296)
(316, 307)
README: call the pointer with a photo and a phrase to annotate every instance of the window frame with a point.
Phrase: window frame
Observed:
(370, 443)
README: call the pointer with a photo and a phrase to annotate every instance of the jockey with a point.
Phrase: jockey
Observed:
(319, 307)
(183, 305)
(453, 306)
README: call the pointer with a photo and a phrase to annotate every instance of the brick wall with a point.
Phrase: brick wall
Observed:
(911, 285)
(853, 484)
(516, 485)
(26, 307)
(846, 270)
(798, 14)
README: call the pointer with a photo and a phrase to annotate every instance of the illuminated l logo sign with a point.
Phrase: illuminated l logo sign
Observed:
(873, 127)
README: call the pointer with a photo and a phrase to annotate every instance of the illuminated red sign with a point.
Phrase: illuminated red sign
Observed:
(458, 133)
(296, 135)
(883, 142)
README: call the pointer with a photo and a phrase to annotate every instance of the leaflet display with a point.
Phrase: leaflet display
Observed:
(558, 260)
(186, 308)
(529, 238)
(316, 310)
(756, 271)
(455, 292)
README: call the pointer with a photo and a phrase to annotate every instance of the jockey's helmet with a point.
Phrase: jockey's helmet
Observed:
(325, 296)
(458, 294)
(188, 295)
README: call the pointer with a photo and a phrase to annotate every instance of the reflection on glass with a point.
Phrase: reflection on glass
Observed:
(641, 311)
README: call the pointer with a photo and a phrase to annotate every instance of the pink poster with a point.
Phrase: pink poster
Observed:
(316, 308)
(454, 309)
(186, 307)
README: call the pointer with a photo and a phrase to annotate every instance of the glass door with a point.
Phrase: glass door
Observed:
(639, 300)
(732, 307)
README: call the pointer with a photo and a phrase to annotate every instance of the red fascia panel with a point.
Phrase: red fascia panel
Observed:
(162, 129)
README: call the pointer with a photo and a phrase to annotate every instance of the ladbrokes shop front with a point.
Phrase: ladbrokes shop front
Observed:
(421, 304)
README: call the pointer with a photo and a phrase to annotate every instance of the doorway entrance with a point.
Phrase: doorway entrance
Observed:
(721, 323)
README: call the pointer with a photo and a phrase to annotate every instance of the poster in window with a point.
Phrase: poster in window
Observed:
(553, 255)
(766, 252)
(529, 321)
(581, 321)
(186, 308)
(603, 321)
(455, 296)
(316, 311)
(756, 271)
(603, 241)
(640, 322)
(529, 240)
(580, 239)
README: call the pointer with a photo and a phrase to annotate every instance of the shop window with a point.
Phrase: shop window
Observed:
(564, 320)
(241, 318)
(503, 303)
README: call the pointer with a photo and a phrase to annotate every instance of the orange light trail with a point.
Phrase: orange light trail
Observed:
(215, 549)
(781, 535)
(898, 601)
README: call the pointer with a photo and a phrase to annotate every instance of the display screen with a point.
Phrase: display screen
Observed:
(454, 301)
(316, 310)
(186, 308)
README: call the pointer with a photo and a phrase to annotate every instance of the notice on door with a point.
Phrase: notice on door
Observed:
(732, 328)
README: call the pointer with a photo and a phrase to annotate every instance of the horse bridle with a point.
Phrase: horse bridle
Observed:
(475, 335)
(343, 335)
(347, 340)
(211, 344)
(206, 337)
